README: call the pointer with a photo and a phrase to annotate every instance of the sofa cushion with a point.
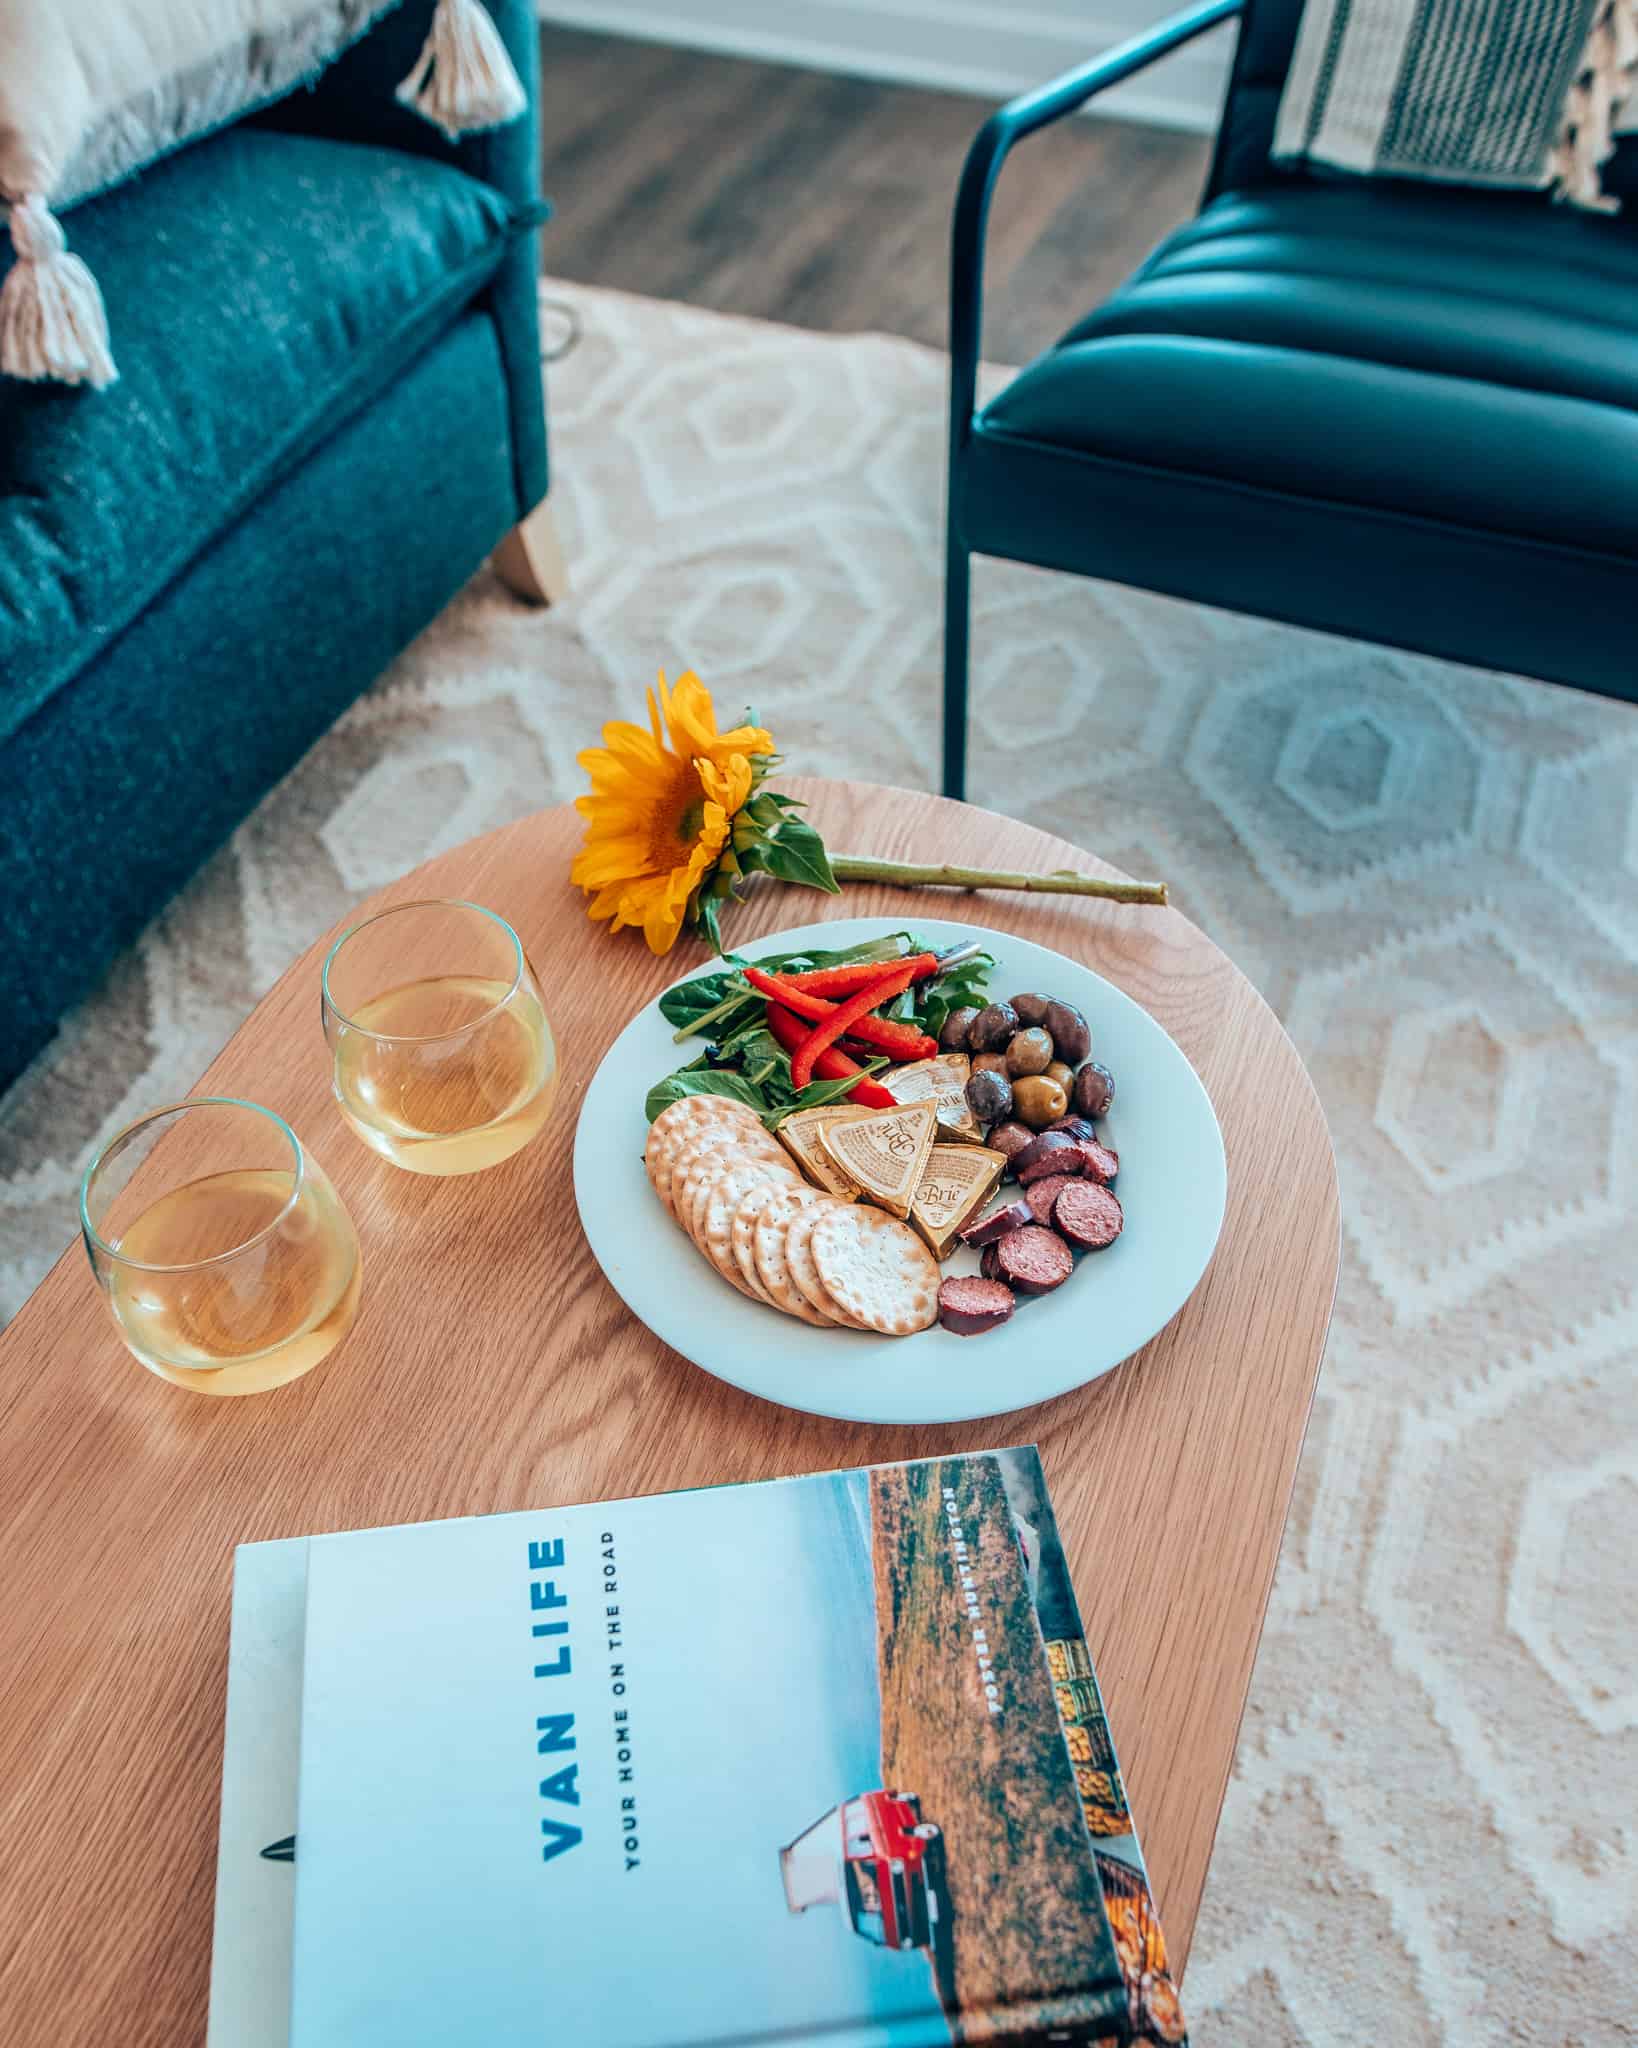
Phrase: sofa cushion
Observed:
(275, 284)
(1462, 356)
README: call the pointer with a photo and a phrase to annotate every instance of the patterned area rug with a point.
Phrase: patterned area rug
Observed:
(1432, 1835)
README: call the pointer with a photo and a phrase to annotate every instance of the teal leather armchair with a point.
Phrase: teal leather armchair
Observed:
(1403, 412)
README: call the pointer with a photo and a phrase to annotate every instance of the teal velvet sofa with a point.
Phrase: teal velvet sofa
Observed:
(329, 412)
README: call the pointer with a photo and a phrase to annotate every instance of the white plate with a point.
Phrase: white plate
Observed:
(1172, 1187)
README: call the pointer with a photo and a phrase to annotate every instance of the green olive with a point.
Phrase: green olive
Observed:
(1036, 1101)
(1061, 1072)
(1029, 1053)
(989, 1063)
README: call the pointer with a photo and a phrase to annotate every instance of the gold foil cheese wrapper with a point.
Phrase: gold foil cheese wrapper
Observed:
(943, 1082)
(885, 1152)
(803, 1136)
(956, 1180)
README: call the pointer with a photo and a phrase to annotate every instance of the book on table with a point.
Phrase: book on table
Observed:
(813, 1760)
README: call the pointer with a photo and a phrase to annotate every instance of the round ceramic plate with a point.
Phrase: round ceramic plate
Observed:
(1172, 1187)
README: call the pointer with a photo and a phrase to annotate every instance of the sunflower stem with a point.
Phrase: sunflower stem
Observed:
(855, 867)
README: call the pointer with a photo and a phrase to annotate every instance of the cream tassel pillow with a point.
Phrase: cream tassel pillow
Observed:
(1512, 95)
(91, 91)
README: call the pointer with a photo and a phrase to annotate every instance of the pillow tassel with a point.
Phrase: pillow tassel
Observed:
(1604, 80)
(52, 321)
(464, 78)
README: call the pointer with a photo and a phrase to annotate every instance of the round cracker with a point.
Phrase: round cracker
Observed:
(741, 1232)
(703, 1182)
(739, 1147)
(799, 1258)
(691, 1117)
(719, 1197)
(715, 1233)
(688, 1115)
(768, 1236)
(700, 1158)
(877, 1269)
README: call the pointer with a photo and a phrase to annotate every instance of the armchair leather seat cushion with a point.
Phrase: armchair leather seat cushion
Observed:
(1459, 357)
(270, 287)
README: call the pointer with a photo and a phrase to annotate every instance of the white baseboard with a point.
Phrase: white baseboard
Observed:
(984, 47)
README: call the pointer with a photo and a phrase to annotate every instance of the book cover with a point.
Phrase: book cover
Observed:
(812, 1760)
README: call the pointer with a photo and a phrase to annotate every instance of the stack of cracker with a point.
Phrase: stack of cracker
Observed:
(814, 1255)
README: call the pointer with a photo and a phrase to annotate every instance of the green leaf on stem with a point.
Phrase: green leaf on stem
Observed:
(796, 853)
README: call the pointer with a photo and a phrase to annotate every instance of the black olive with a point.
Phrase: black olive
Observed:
(1094, 1090)
(1071, 1035)
(1031, 1009)
(989, 1096)
(992, 1028)
(953, 1038)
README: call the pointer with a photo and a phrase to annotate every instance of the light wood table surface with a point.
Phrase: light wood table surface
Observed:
(492, 1367)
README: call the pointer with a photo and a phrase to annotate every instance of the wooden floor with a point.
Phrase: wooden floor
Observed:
(825, 201)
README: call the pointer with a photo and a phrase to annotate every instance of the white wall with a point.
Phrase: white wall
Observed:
(981, 46)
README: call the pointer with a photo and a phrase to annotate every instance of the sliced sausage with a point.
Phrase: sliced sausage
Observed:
(1099, 1162)
(1010, 1138)
(989, 1263)
(1012, 1216)
(1043, 1193)
(1088, 1215)
(968, 1307)
(1033, 1260)
(1076, 1126)
(1037, 1156)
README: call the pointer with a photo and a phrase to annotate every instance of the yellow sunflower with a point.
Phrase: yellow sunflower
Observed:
(659, 816)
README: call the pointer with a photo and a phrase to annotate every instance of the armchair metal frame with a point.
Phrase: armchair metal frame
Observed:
(1005, 127)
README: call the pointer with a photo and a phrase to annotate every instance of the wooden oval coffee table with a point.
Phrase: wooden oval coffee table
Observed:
(492, 1367)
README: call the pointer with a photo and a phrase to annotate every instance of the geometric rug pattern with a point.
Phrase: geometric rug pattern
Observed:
(1432, 1832)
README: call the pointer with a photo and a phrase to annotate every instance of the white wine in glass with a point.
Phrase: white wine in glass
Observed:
(444, 1062)
(226, 1259)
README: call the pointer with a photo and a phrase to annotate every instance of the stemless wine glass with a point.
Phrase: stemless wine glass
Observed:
(444, 1060)
(226, 1258)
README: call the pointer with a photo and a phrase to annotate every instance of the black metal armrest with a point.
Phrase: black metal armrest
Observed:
(1008, 125)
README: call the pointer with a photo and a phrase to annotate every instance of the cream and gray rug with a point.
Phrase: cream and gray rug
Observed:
(1432, 1835)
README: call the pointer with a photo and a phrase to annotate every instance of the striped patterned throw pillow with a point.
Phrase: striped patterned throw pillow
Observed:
(1503, 93)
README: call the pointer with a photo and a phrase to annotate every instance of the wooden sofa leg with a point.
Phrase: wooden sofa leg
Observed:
(529, 561)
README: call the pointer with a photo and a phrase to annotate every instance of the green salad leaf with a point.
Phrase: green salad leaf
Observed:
(744, 1061)
(702, 1081)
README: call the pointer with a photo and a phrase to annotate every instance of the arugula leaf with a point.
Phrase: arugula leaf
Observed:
(817, 1093)
(961, 986)
(702, 1081)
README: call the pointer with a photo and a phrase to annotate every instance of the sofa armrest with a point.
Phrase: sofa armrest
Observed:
(354, 100)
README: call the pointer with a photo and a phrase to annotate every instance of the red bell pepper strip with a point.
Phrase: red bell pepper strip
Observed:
(849, 1016)
(790, 1031)
(898, 1041)
(855, 974)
